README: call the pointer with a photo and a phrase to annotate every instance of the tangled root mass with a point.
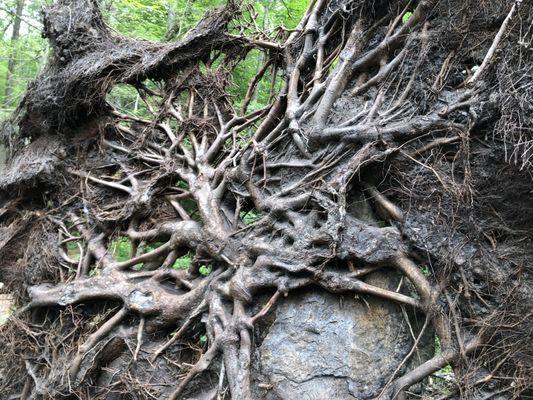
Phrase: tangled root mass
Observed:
(398, 143)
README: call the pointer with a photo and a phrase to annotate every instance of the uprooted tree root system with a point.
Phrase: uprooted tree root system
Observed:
(399, 141)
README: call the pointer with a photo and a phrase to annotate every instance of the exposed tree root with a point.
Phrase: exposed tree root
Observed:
(303, 192)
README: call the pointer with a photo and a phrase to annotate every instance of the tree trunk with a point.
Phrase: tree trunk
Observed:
(369, 228)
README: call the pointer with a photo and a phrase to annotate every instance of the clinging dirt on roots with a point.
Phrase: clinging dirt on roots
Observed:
(156, 256)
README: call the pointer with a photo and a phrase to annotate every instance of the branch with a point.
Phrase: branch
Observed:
(494, 46)
(429, 367)
(101, 181)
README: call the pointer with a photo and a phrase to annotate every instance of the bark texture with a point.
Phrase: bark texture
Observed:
(394, 166)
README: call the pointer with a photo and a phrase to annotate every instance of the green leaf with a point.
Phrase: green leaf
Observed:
(182, 184)
(73, 251)
(249, 217)
(205, 270)
(152, 246)
(120, 249)
(407, 16)
(183, 262)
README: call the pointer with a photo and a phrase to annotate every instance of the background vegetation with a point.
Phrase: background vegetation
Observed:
(23, 51)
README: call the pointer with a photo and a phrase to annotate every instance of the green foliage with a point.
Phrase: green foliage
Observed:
(152, 246)
(120, 249)
(126, 99)
(205, 270)
(156, 20)
(27, 54)
(438, 350)
(249, 217)
(191, 207)
(439, 382)
(243, 74)
(271, 14)
(274, 13)
(184, 14)
(73, 251)
(138, 18)
(182, 185)
(407, 16)
(334, 64)
(184, 262)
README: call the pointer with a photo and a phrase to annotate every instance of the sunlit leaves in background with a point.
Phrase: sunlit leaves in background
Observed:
(275, 13)
(161, 20)
(164, 20)
(147, 19)
(126, 99)
(155, 20)
(28, 53)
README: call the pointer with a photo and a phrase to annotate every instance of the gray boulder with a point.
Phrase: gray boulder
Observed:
(324, 346)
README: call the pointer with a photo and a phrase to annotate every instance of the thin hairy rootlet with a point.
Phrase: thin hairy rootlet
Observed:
(418, 112)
